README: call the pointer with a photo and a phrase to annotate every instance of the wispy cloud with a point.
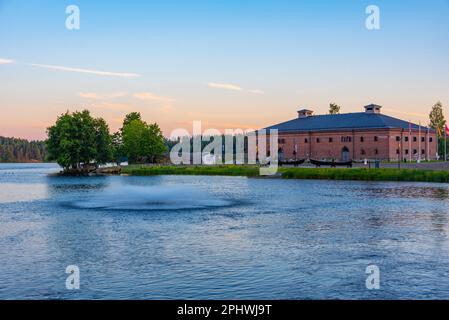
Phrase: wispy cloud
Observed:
(233, 87)
(152, 97)
(6, 61)
(225, 86)
(103, 96)
(86, 71)
(413, 114)
(256, 91)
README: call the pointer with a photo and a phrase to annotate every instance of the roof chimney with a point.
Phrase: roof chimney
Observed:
(304, 113)
(372, 108)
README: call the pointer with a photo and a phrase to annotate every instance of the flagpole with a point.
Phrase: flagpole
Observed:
(419, 143)
(410, 140)
(445, 137)
(438, 142)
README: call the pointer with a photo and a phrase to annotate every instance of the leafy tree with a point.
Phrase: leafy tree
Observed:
(437, 122)
(117, 147)
(436, 117)
(77, 139)
(157, 142)
(131, 117)
(135, 137)
(103, 141)
(334, 108)
(142, 142)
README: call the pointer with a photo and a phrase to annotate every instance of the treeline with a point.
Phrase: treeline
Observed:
(21, 150)
(78, 142)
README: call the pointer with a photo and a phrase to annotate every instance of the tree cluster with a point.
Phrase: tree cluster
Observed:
(20, 150)
(78, 140)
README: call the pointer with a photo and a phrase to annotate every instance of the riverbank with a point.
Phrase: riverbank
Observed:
(358, 174)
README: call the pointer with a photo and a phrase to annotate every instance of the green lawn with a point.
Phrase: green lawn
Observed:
(221, 170)
(389, 174)
(295, 173)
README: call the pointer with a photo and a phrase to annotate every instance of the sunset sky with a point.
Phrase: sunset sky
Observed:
(230, 64)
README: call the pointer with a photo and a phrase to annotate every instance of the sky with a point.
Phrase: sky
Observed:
(227, 63)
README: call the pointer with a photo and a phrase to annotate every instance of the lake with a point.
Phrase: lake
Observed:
(199, 237)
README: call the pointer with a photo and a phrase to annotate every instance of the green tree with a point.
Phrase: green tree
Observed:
(135, 140)
(436, 117)
(131, 117)
(334, 108)
(103, 142)
(157, 142)
(77, 139)
(437, 122)
(117, 147)
(142, 142)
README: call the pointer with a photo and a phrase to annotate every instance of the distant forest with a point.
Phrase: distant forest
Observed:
(20, 150)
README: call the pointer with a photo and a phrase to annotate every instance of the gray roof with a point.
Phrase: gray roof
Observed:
(346, 121)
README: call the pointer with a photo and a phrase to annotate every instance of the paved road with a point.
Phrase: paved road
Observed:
(413, 165)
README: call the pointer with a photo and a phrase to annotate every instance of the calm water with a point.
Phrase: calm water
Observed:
(218, 238)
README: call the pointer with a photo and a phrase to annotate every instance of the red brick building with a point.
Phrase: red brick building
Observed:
(354, 136)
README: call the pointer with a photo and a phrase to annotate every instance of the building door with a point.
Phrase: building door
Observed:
(281, 154)
(345, 154)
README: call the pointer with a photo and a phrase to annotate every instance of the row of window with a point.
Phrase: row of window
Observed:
(414, 151)
(397, 151)
(362, 139)
(376, 151)
(406, 139)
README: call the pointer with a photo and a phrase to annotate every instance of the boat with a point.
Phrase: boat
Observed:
(332, 163)
(292, 162)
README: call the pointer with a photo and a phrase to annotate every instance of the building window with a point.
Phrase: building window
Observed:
(406, 151)
(415, 151)
(331, 140)
(397, 151)
(423, 139)
(362, 139)
(415, 139)
(281, 141)
(376, 138)
(398, 138)
(423, 151)
(362, 152)
(317, 140)
(430, 139)
(306, 140)
(376, 151)
(346, 139)
(406, 139)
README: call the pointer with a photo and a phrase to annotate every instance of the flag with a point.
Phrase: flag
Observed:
(446, 129)
(439, 132)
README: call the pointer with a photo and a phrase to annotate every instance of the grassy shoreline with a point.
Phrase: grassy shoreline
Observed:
(357, 174)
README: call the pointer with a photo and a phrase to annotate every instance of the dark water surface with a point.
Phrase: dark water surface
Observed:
(190, 237)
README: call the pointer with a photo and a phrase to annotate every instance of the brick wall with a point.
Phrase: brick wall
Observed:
(370, 144)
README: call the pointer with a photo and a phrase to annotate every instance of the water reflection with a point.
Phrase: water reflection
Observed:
(407, 192)
(216, 237)
(22, 192)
